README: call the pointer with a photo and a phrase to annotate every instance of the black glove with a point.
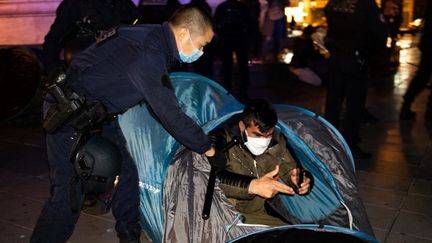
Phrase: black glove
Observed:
(218, 160)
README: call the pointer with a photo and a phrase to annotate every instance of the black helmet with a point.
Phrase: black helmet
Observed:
(98, 163)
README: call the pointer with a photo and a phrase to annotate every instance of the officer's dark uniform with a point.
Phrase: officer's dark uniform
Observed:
(356, 29)
(424, 72)
(125, 69)
(97, 15)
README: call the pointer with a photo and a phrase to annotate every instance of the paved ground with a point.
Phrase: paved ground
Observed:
(396, 184)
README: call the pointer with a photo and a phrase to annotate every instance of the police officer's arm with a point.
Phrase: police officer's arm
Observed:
(146, 74)
(67, 14)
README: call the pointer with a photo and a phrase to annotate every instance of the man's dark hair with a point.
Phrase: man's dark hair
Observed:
(192, 17)
(259, 112)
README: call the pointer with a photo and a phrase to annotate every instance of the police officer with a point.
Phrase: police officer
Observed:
(424, 72)
(356, 30)
(129, 66)
(76, 26)
(232, 21)
(77, 23)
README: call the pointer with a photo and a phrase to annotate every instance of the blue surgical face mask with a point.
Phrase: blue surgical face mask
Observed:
(196, 53)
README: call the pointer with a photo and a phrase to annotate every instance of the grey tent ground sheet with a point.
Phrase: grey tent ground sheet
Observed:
(184, 192)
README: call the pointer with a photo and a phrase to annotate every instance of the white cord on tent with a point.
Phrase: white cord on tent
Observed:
(350, 218)
(236, 221)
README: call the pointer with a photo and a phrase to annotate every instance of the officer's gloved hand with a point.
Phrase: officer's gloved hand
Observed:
(221, 147)
(218, 159)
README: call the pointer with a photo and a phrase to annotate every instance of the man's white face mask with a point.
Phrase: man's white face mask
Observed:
(257, 146)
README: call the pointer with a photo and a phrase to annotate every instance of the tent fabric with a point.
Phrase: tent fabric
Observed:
(173, 181)
(305, 233)
(152, 148)
(185, 189)
(333, 158)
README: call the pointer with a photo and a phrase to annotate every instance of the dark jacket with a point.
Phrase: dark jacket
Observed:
(426, 39)
(131, 66)
(232, 19)
(355, 25)
(101, 15)
(241, 161)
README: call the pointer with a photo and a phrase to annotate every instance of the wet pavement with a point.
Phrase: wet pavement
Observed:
(395, 184)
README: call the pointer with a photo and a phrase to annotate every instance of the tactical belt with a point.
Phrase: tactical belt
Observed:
(70, 108)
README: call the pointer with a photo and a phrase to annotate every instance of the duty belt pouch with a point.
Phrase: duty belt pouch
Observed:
(71, 109)
(57, 116)
(86, 115)
(92, 114)
(67, 103)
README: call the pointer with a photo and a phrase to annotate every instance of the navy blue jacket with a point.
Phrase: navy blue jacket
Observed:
(130, 67)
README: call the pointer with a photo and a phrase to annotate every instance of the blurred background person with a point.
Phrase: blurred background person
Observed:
(423, 74)
(307, 62)
(392, 11)
(254, 7)
(356, 30)
(274, 28)
(78, 23)
(156, 12)
(204, 65)
(232, 27)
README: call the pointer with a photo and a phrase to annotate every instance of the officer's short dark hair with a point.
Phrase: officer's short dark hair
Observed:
(260, 112)
(193, 17)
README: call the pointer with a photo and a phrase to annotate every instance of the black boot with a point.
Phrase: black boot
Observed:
(130, 236)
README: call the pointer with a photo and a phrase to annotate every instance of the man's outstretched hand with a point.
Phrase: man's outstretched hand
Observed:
(267, 186)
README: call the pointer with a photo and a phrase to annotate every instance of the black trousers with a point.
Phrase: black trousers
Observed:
(420, 80)
(239, 46)
(57, 219)
(346, 83)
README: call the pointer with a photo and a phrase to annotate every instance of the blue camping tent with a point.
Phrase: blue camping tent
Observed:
(173, 179)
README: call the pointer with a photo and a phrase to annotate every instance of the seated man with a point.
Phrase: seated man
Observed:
(251, 167)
